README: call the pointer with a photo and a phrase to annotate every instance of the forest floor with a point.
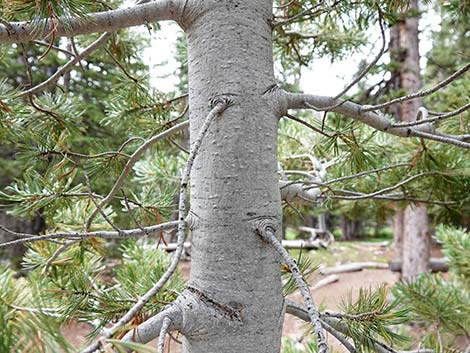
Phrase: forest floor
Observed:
(329, 296)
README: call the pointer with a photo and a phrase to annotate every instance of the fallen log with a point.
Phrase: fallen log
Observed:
(354, 267)
(325, 281)
(172, 246)
(436, 264)
(303, 244)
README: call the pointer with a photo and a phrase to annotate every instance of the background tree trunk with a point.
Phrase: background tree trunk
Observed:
(404, 44)
(234, 179)
(398, 234)
(417, 241)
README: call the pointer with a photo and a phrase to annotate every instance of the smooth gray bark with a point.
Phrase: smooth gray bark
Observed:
(108, 21)
(233, 182)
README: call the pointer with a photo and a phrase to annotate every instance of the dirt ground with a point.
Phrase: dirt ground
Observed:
(326, 297)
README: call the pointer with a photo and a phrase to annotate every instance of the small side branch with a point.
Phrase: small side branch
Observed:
(422, 93)
(369, 117)
(130, 233)
(130, 164)
(219, 106)
(172, 317)
(266, 230)
(163, 332)
(301, 312)
(372, 63)
(107, 21)
(438, 118)
(98, 43)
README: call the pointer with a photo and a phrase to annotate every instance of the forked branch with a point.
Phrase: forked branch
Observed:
(369, 117)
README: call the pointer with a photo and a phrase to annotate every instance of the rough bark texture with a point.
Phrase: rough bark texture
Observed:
(415, 228)
(233, 181)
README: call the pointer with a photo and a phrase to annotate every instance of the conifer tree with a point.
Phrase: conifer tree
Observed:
(234, 298)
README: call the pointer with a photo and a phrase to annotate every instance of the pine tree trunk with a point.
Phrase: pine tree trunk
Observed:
(416, 245)
(398, 234)
(405, 49)
(234, 178)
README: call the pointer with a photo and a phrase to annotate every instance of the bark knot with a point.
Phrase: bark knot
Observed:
(225, 99)
(264, 225)
(191, 220)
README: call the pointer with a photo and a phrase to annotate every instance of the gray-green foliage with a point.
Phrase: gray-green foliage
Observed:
(79, 286)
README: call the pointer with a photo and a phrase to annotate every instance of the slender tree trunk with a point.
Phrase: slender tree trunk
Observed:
(350, 228)
(234, 179)
(398, 234)
(415, 236)
(417, 241)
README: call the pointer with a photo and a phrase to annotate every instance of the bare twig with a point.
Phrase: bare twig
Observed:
(367, 172)
(372, 63)
(310, 126)
(107, 333)
(83, 156)
(131, 162)
(458, 141)
(437, 118)
(44, 44)
(56, 254)
(163, 332)
(301, 14)
(100, 210)
(121, 66)
(422, 93)
(400, 198)
(67, 67)
(30, 238)
(266, 230)
(343, 339)
(390, 188)
(131, 214)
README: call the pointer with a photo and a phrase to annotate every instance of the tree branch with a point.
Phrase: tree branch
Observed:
(163, 332)
(68, 66)
(422, 93)
(300, 311)
(108, 21)
(364, 173)
(291, 190)
(437, 118)
(219, 106)
(367, 116)
(152, 328)
(31, 238)
(373, 62)
(266, 230)
(131, 162)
